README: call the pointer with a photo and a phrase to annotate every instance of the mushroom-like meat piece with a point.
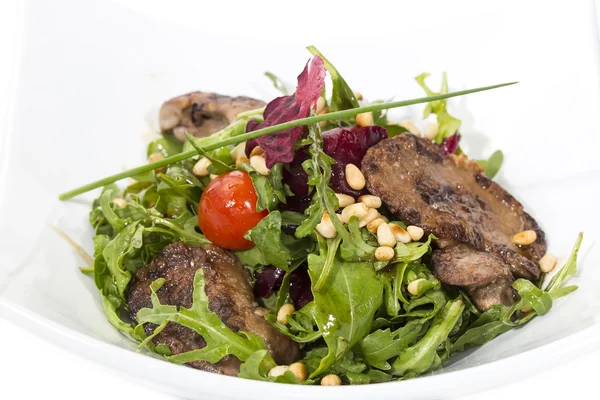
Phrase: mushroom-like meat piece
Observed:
(201, 114)
(451, 198)
(229, 292)
(485, 277)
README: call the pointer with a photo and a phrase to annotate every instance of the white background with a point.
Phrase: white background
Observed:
(31, 367)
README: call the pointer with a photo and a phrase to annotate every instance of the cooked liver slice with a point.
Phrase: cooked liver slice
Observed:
(229, 291)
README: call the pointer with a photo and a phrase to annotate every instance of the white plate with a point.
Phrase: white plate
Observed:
(94, 73)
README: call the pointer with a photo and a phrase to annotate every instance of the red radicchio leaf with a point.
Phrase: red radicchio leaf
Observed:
(279, 146)
(450, 144)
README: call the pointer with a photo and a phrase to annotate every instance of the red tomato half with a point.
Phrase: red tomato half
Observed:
(228, 210)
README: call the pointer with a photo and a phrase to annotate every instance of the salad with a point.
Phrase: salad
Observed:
(314, 240)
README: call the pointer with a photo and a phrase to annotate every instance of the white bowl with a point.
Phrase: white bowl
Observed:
(94, 73)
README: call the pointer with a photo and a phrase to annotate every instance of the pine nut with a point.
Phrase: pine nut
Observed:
(548, 262)
(527, 310)
(355, 178)
(299, 371)
(241, 160)
(285, 311)
(279, 370)
(364, 119)
(370, 200)
(320, 105)
(238, 151)
(371, 215)
(259, 164)
(525, 238)
(213, 176)
(399, 233)
(331, 380)
(410, 127)
(384, 253)
(154, 157)
(373, 225)
(385, 236)
(201, 167)
(415, 232)
(431, 130)
(358, 209)
(344, 200)
(325, 227)
(358, 95)
(257, 151)
(120, 202)
(413, 287)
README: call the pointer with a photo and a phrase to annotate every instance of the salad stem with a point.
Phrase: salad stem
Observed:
(268, 130)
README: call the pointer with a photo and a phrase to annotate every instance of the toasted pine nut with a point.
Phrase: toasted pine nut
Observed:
(320, 105)
(241, 160)
(325, 110)
(410, 127)
(259, 164)
(358, 209)
(415, 232)
(285, 311)
(299, 370)
(431, 130)
(358, 95)
(385, 236)
(331, 380)
(279, 370)
(384, 253)
(371, 215)
(257, 151)
(373, 225)
(370, 200)
(201, 167)
(525, 238)
(344, 199)
(364, 119)
(399, 233)
(120, 202)
(547, 263)
(527, 310)
(355, 178)
(413, 287)
(213, 176)
(238, 151)
(154, 157)
(325, 227)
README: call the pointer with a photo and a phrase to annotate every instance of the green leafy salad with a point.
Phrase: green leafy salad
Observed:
(340, 273)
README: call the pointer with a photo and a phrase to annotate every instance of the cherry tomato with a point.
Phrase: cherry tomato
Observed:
(227, 210)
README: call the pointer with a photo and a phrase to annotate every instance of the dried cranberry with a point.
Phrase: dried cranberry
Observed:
(450, 144)
(267, 281)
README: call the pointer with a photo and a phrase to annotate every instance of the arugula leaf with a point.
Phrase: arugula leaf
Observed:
(485, 328)
(448, 124)
(532, 297)
(277, 83)
(220, 340)
(569, 269)
(412, 251)
(382, 345)
(492, 165)
(270, 189)
(423, 356)
(346, 306)
(342, 97)
(273, 246)
(168, 145)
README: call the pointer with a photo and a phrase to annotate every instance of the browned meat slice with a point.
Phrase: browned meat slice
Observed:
(229, 291)
(451, 198)
(201, 114)
(485, 277)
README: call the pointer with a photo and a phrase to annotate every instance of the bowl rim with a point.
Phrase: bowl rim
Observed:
(513, 367)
